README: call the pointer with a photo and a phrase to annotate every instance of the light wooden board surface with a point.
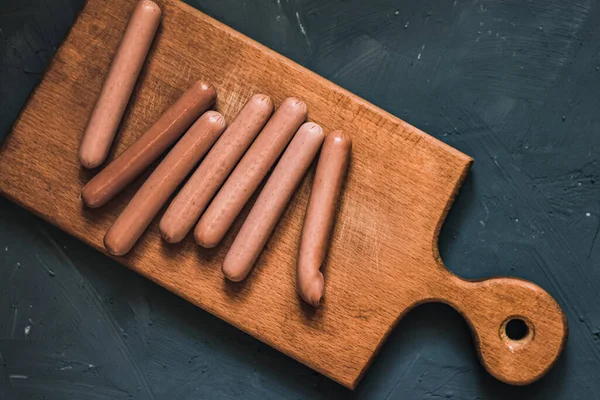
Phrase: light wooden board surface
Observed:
(383, 258)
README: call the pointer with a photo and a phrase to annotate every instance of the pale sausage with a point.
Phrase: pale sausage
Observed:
(192, 200)
(250, 171)
(272, 201)
(318, 221)
(144, 151)
(119, 83)
(153, 194)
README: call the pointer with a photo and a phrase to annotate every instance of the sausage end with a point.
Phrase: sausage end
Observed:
(167, 234)
(339, 138)
(231, 273)
(149, 6)
(87, 160)
(89, 164)
(113, 248)
(311, 289)
(262, 100)
(203, 239)
(169, 231)
(313, 129)
(295, 104)
(89, 199)
(215, 118)
(204, 88)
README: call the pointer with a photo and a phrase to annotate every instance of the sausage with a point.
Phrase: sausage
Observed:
(133, 161)
(188, 205)
(164, 180)
(250, 171)
(119, 83)
(272, 201)
(318, 221)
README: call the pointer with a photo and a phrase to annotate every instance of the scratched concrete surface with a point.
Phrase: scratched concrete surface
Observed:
(516, 85)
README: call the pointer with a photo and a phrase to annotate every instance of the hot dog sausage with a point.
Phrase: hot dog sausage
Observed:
(133, 161)
(192, 200)
(119, 83)
(250, 171)
(318, 221)
(272, 201)
(147, 202)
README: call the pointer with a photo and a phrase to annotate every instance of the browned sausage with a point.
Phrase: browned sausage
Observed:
(133, 161)
(119, 83)
(248, 174)
(272, 201)
(192, 200)
(331, 170)
(153, 194)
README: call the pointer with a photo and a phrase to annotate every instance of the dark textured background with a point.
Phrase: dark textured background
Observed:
(514, 84)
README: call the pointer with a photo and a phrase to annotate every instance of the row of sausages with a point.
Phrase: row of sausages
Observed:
(232, 162)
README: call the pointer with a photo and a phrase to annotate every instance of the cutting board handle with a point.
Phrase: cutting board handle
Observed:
(519, 328)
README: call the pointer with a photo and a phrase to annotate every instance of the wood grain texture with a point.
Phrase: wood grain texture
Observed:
(383, 259)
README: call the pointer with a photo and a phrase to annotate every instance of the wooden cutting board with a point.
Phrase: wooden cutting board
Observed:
(383, 258)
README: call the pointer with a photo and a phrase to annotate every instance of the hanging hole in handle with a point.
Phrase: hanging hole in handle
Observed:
(516, 331)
